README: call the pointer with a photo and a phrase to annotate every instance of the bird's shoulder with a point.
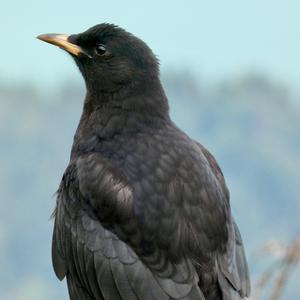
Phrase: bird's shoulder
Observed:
(162, 179)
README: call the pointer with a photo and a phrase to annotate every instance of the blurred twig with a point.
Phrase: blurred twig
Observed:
(288, 257)
(263, 280)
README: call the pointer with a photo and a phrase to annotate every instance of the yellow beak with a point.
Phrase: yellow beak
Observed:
(61, 40)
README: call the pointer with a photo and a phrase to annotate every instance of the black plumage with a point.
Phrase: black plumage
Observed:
(142, 210)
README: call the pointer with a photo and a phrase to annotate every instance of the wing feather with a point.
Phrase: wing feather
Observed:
(97, 262)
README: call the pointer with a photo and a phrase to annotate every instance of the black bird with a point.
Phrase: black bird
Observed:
(142, 210)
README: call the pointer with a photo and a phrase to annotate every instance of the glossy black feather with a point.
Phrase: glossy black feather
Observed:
(142, 210)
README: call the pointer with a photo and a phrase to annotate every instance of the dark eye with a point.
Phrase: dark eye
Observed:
(101, 50)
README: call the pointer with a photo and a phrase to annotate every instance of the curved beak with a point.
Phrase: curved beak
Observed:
(61, 40)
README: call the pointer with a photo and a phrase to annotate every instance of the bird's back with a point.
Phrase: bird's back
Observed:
(146, 216)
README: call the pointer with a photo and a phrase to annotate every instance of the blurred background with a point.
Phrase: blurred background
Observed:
(231, 71)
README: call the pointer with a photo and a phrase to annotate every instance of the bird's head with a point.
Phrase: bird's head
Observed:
(108, 57)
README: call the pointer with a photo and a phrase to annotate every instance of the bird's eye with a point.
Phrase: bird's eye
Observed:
(101, 50)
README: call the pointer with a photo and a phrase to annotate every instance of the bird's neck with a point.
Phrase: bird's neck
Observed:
(107, 117)
(144, 96)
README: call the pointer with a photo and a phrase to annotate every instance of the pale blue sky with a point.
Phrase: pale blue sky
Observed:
(213, 38)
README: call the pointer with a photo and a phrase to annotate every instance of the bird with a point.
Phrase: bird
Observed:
(142, 210)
